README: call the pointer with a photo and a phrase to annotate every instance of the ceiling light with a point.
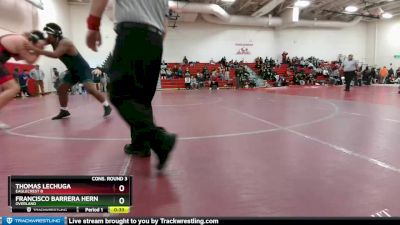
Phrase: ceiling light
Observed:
(302, 3)
(387, 15)
(231, 1)
(351, 8)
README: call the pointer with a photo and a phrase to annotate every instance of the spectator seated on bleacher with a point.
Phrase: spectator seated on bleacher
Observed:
(214, 83)
(310, 78)
(174, 71)
(179, 72)
(398, 72)
(284, 81)
(334, 78)
(278, 80)
(397, 81)
(230, 64)
(367, 76)
(222, 73)
(227, 75)
(358, 77)
(200, 80)
(299, 79)
(236, 64)
(214, 73)
(187, 72)
(193, 83)
(252, 83)
(389, 79)
(206, 73)
(169, 74)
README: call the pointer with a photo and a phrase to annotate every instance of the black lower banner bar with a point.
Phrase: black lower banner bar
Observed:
(60, 210)
(35, 220)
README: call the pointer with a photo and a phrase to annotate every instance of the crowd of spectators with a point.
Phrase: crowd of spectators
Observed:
(286, 71)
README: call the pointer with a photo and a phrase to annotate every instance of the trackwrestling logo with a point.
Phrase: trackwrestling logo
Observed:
(33, 220)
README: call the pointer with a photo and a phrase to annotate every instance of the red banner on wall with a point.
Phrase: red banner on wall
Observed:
(244, 48)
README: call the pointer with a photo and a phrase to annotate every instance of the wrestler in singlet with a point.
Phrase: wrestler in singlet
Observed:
(13, 46)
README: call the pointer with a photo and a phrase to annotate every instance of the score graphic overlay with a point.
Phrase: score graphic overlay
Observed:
(75, 194)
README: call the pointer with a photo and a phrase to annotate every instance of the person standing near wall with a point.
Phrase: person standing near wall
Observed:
(38, 75)
(23, 83)
(140, 26)
(349, 67)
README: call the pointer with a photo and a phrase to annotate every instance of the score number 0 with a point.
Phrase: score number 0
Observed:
(121, 200)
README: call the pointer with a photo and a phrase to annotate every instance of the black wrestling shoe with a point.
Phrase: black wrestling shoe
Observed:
(163, 145)
(107, 111)
(63, 114)
(142, 151)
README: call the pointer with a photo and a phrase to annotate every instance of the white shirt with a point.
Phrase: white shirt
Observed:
(349, 66)
(36, 74)
(151, 12)
(187, 80)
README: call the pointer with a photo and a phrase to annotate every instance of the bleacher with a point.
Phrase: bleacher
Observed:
(285, 71)
(282, 70)
(179, 83)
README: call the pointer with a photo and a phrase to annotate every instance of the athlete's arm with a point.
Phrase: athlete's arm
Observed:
(25, 54)
(61, 49)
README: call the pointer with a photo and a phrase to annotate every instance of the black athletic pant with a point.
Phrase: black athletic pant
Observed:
(134, 75)
(24, 90)
(348, 77)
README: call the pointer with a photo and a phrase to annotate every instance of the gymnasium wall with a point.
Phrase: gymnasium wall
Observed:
(202, 41)
(198, 41)
(16, 16)
(78, 14)
(323, 43)
(387, 42)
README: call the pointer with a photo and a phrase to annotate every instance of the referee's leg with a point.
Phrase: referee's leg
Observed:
(133, 84)
(347, 78)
